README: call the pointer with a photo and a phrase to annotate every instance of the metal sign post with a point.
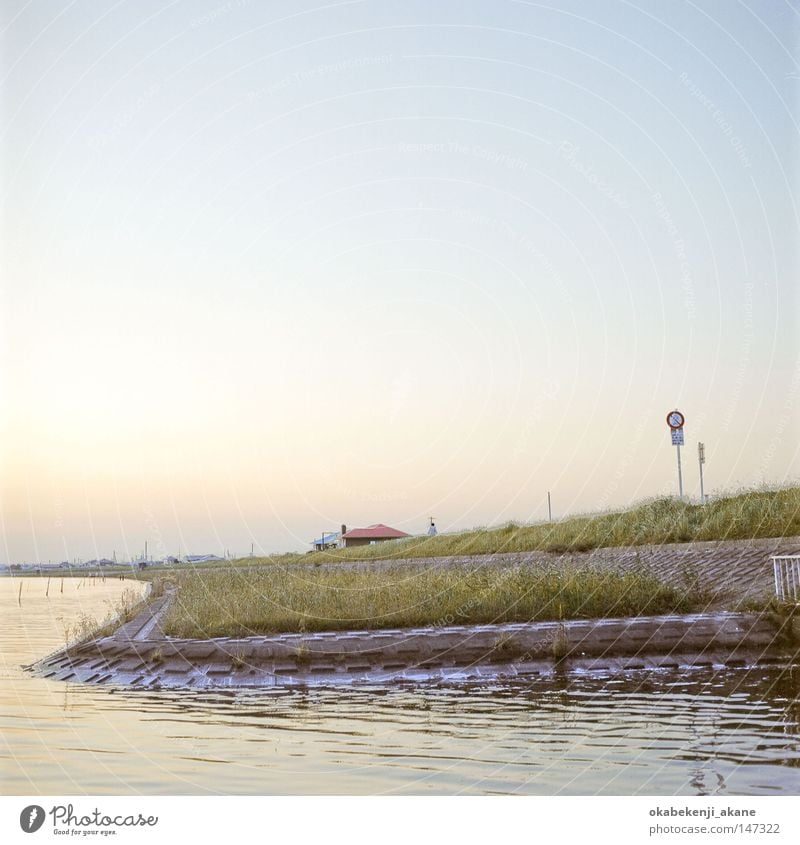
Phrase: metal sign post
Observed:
(675, 421)
(701, 457)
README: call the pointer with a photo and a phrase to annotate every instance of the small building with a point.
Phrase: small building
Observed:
(371, 534)
(328, 540)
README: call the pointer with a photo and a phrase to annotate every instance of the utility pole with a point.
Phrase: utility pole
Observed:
(701, 457)
(549, 508)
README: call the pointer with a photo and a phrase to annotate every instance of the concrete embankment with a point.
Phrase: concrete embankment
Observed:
(737, 569)
(140, 655)
(455, 652)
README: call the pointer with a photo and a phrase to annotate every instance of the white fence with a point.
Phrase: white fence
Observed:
(787, 576)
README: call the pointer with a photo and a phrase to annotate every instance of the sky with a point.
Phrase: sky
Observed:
(268, 268)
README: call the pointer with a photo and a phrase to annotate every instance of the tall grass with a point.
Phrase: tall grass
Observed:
(243, 602)
(748, 515)
(87, 627)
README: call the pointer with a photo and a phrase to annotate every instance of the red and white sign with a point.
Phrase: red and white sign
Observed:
(675, 419)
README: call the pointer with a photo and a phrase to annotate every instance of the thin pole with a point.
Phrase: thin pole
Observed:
(702, 493)
(680, 475)
(549, 508)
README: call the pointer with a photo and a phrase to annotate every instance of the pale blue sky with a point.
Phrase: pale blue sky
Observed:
(270, 267)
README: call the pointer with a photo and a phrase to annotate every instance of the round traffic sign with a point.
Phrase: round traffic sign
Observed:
(675, 419)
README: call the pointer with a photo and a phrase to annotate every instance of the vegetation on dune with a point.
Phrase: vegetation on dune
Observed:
(748, 515)
(254, 598)
(244, 602)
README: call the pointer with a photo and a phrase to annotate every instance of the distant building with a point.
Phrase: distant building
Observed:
(201, 558)
(329, 540)
(372, 534)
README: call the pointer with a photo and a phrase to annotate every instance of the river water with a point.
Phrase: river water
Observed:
(699, 732)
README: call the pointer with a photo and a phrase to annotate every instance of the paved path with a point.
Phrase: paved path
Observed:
(738, 568)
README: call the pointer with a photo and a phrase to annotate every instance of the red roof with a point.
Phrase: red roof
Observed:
(374, 532)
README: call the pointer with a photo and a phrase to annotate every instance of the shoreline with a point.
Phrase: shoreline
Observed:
(136, 656)
(140, 655)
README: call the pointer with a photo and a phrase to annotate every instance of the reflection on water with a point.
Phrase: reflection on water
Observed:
(701, 732)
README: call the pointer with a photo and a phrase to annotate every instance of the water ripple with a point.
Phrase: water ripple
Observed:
(702, 732)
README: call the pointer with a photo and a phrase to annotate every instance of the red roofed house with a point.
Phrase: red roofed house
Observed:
(373, 534)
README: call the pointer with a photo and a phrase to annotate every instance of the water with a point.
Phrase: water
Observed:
(704, 732)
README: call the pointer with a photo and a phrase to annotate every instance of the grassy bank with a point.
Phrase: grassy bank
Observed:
(246, 602)
(749, 515)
